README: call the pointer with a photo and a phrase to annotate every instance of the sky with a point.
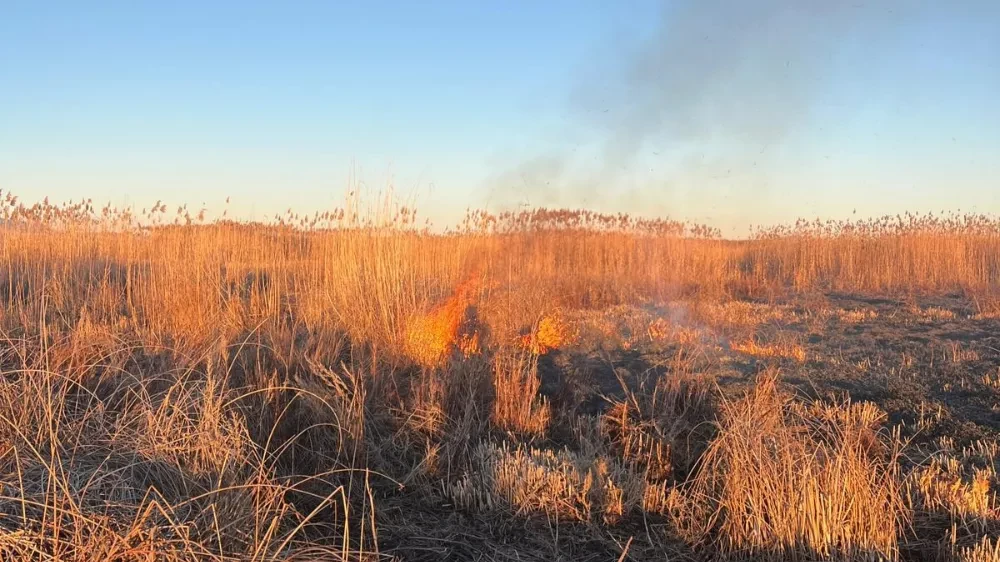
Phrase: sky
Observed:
(729, 113)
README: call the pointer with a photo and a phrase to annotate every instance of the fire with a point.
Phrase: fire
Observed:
(452, 328)
(449, 327)
(779, 350)
(659, 329)
(553, 331)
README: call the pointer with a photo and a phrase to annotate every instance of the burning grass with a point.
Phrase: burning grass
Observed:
(777, 349)
(313, 388)
(553, 331)
(450, 327)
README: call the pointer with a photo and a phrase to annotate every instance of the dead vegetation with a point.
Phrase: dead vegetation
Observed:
(782, 481)
(553, 385)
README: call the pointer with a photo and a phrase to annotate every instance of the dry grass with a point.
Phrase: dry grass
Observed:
(178, 390)
(851, 316)
(782, 482)
(954, 495)
(516, 405)
(777, 349)
(988, 550)
(561, 485)
(992, 380)
(941, 487)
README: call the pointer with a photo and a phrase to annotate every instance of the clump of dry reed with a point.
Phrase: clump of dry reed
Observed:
(953, 494)
(653, 429)
(779, 482)
(987, 550)
(562, 485)
(109, 461)
(517, 406)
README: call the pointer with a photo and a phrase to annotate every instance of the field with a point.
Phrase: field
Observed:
(545, 385)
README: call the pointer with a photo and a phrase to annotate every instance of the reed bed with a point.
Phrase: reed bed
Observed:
(173, 388)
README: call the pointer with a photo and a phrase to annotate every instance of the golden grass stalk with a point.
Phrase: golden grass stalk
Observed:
(776, 485)
(517, 406)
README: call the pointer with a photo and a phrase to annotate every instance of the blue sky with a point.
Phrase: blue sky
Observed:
(730, 113)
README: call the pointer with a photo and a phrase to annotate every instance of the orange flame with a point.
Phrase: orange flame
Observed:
(659, 329)
(553, 331)
(451, 326)
(778, 350)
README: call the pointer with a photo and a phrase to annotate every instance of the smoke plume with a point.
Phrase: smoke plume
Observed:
(701, 108)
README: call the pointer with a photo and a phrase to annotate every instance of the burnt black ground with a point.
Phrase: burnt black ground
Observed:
(921, 360)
